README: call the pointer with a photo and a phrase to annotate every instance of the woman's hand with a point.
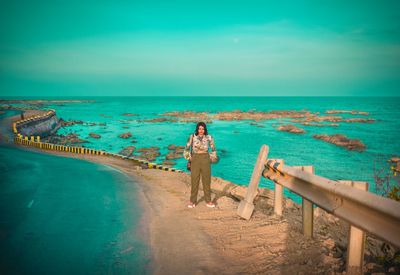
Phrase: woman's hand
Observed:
(213, 157)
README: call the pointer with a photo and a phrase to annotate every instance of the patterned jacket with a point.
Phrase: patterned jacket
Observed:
(200, 144)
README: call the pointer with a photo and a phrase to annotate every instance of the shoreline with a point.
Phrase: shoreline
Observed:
(183, 240)
(217, 241)
(151, 221)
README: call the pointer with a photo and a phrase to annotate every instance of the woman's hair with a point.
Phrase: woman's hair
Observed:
(204, 126)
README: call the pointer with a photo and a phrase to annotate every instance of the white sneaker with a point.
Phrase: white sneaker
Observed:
(191, 205)
(210, 204)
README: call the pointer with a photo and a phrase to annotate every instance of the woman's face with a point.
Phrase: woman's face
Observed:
(201, 130)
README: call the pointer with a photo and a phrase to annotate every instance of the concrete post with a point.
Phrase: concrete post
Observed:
(278, 199)
(246, 206)
(356, 238)
(307, 209)
(278, 193)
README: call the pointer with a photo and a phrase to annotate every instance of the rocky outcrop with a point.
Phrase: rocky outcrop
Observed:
(42, 101)
(257, 116)
(315, 118)
(160, 119)
(94, 135)
(66, 123)
(125, 135)
(189, 116)
(171, 147)
(176, 152)
(320, 124)
(150, 153)
(129, 114)
(342, 141)
(291, 129)
(70, 139)
(353, 112)
(298, 116)
(127, 151)
(359, 120)
(173, 155)
(179, 149)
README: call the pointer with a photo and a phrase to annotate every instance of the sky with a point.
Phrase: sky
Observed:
(199, 48)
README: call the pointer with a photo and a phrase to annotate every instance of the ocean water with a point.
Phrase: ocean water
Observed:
(67, 216)
(238, 142)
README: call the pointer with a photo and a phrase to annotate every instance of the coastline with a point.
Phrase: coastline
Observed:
(161, 226)
(217, 241)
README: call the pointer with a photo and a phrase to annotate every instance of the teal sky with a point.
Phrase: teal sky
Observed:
(236, 48)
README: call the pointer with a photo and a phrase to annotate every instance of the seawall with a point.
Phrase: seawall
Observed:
(41, 125)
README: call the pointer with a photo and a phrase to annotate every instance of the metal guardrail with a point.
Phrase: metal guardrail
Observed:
(375, 214)
(348, 200)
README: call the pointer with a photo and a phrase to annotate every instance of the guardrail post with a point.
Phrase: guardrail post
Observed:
(356, 238)
(278, 192)
(307, 207)
(246, 206)
(278, 199)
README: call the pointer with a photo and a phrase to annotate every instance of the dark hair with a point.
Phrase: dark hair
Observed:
(204, 126)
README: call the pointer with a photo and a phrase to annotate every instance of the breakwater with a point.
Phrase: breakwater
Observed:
(43, 124)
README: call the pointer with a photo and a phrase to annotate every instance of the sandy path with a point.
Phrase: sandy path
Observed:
(217, 241)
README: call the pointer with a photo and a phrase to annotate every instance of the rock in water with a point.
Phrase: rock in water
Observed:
(150, 153)
(291, 129)
(173, 155)
(127, 151)
(342, 141)
(125, 135)
(94, 135)
(171, 147)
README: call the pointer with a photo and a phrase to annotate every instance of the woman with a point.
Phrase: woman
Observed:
(201, 160)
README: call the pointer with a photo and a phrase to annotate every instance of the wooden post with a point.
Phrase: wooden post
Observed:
(246, 206)
(356, 238)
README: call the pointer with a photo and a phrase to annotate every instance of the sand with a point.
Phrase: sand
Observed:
(215, 240)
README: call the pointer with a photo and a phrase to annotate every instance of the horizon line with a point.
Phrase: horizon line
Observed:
(197, 96)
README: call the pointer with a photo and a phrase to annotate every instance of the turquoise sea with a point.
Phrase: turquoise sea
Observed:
(67, 216)
(238, 142)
